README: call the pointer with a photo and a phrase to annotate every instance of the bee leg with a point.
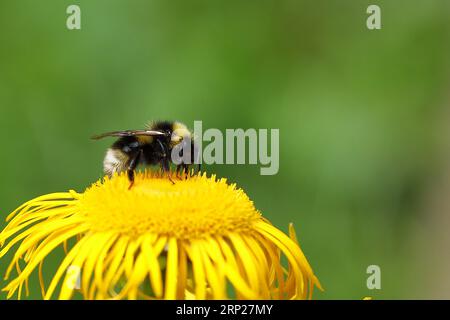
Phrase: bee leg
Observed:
(130, 178)
(166, 168)
(186, 171)
(179, 172)
(131, 167)
(170, 176)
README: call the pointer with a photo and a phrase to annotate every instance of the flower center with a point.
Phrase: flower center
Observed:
(196, 207)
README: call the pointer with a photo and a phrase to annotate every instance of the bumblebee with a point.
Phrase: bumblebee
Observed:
(151, 146)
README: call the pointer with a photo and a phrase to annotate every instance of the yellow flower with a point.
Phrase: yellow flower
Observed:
(199, 238)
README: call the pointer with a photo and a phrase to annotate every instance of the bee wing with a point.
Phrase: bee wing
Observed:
(128, 133)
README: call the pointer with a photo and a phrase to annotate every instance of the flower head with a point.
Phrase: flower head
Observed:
(198, 238)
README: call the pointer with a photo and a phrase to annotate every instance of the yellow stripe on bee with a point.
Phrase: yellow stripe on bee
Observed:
(179, 126)
(180, 132)
(144, 139)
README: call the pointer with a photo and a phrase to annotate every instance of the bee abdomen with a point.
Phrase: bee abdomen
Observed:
(115, 161)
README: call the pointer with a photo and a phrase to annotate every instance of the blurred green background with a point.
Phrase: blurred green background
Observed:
(362, 116)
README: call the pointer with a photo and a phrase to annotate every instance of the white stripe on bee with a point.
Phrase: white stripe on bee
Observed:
(115, 161)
